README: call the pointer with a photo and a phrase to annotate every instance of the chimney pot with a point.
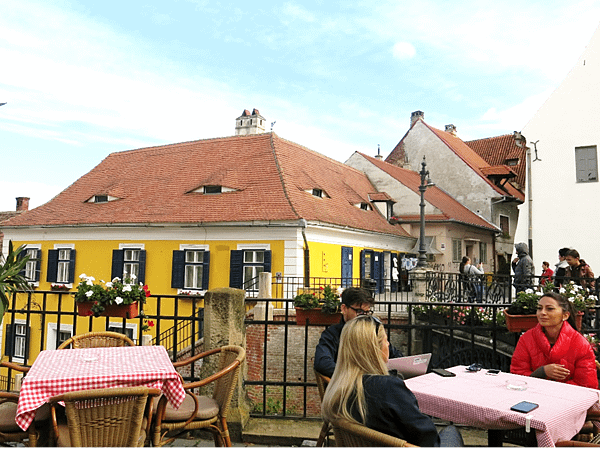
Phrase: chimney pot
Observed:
(451, 129)
(22, 203)
(416, 115)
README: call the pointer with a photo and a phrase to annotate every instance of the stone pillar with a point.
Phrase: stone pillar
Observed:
(262, 309)
(224, 314)
(419, 284)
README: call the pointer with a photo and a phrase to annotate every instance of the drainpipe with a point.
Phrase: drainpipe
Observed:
(303, 224)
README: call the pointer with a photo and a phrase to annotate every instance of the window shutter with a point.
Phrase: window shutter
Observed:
(267, 261)
(236, 275)
(362, 264)
(378, 270)
(117, 264)
(205, 271)
(52, 272)
(38, 264)
(72, 266)
(27, 341)
(178, 269)
(142, 272)
(9, 343)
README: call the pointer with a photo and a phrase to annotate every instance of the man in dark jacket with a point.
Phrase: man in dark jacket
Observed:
(523, 268)
(355, 302)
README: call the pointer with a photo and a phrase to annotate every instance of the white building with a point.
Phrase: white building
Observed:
(564, 178)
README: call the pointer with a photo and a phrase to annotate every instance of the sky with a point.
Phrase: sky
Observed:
(83, 79)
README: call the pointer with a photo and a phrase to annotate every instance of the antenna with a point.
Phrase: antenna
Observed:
(273, 124)
(535, 150)
(378, 150)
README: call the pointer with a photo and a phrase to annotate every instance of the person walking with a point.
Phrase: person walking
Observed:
(560, 267)
(523, 268)
(579, 271)
(547, 273)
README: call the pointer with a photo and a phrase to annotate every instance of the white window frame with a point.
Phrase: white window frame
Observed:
(581, 166)
(252, 247)
(128, 326)
(15, 358)
(33, 247)
(132, 263)
(52, 331)
(456, 258)
(197, 247)
(60, 247)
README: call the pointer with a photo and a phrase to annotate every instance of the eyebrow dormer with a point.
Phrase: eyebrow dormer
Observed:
(101, 198)
(211, 189)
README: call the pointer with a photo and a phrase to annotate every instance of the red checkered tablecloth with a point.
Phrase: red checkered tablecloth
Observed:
(483, 401)
(55, 372)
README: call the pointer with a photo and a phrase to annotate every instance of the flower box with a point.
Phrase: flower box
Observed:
(316, 317)
(519, 323)
(126, 311)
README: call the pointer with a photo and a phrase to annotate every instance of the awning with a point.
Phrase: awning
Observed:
(429, 246)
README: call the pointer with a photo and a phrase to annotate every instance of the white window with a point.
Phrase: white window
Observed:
(456, 250)
(253, 265)
(20, 340)
(131, 265)
(194, 269)
(483, 252)
(66, 332)
(586, 164)
(32, 266)
(64, 258)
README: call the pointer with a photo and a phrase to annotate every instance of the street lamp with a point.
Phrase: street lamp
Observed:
(425, 183)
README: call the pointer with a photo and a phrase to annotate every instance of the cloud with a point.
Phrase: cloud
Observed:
(403, 50)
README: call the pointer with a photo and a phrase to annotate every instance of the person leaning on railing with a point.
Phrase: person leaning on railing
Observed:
(579, 271)
(355, 302)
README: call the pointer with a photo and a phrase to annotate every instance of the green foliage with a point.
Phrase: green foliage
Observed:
(527, 301)
(115, 292)
(11, 279)
(327, 299)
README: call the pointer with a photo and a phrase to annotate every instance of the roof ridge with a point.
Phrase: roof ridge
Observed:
(281, 176)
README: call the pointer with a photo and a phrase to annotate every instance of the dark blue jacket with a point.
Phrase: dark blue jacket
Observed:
(327, 349)
(393, 409)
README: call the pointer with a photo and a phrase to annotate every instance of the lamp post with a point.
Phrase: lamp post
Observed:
(425, 183)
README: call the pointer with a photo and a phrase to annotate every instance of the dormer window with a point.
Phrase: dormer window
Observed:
(213, 189)
(101, 198)
(317, 192)
(512, 162)
(364, 206)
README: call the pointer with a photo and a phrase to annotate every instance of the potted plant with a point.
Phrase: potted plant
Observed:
(116, 298)
(320, 308)
(521, 315)
(11, 279)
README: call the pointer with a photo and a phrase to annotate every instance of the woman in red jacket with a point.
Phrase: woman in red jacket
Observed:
(554, 349)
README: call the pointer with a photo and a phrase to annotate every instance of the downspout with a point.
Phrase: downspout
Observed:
(306, 255)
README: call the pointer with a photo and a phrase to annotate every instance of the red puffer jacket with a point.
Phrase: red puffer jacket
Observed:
(571, 350)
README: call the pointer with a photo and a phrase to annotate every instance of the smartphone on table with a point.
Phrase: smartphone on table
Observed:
(524, 407)
(443, 372)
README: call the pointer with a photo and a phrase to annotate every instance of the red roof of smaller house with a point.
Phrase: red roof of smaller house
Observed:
(451, 210)
(380, 197)
(499, 170)
(498, 150)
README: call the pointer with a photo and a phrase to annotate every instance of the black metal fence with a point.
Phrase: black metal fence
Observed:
(460, 322)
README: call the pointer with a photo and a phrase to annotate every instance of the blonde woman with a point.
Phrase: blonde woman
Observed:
(362, 391)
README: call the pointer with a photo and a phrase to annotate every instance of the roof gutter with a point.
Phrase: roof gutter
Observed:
(303, 224)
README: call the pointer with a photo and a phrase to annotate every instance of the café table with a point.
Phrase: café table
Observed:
(483, 401)
(55, 372)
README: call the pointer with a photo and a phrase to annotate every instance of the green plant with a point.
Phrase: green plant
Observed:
(462, 315)
(527, 301)
(11, 280)
(327, 299)
(115, 292)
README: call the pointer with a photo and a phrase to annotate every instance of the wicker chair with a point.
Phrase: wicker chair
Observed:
(9, 430)
(322, 382)
(97, 339)
(117, 417)
(201, 412)
(349, 434)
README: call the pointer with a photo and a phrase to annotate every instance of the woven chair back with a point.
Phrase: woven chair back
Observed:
(225, 386)
(96, 339)
(349, 434)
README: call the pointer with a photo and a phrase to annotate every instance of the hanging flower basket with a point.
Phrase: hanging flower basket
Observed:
(126, 311)
(316, 317)
(518, 323)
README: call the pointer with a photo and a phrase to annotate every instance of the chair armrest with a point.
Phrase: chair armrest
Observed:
(192, 359)
(14, 366)
(213, 377)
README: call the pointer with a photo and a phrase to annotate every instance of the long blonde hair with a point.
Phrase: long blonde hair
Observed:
(359, 354)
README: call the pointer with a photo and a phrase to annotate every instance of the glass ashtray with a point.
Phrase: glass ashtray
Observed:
(516, 385)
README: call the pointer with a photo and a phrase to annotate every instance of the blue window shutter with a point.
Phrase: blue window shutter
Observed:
(362, 264)
(9, 342)
(267, 261)
(236, 275)
(72, 266)
(117, 264)
(52, 271)
(142, 266)
(205, 271)
(38, 264)
(178, 269)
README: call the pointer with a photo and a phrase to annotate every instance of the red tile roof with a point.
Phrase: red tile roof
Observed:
(451, 210)
(496, 150)
(270, 176)
(463, 151)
